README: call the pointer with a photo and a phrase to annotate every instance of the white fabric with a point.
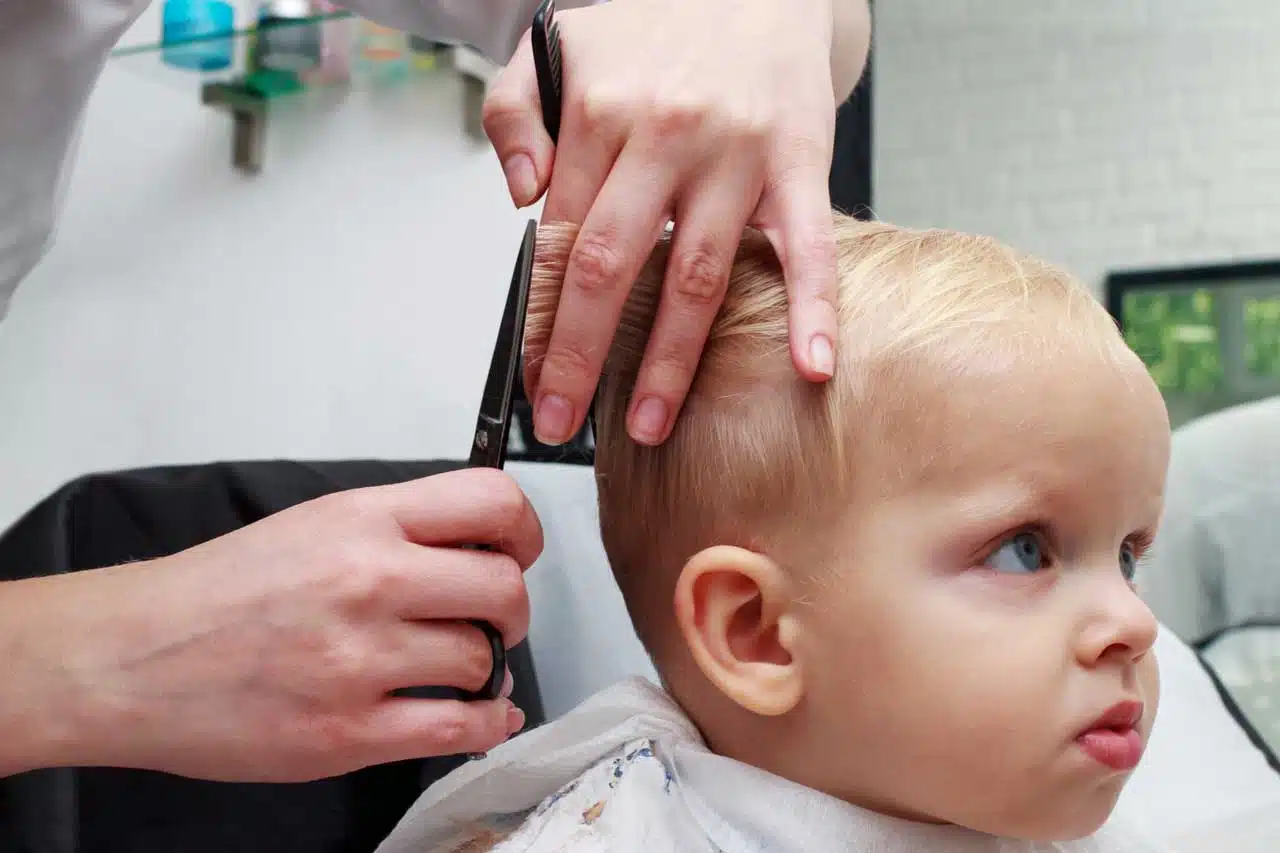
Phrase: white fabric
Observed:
(53, 51)
(1200, 774)
(1214, 564)
(628, 773)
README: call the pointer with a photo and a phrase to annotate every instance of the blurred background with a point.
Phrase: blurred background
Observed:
(342, 301)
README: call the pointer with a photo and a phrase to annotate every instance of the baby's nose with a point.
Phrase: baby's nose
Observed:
(1124, 628)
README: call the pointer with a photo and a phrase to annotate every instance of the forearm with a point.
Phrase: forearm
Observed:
(37, 708)
(850, 43)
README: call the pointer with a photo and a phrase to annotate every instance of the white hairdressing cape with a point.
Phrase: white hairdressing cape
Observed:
(52, 52)
(627, 772)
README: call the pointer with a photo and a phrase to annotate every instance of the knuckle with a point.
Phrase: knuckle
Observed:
(748, 126)
(595, 264)
(345, 662)
(474, 658)
(567, 363)
(672, 369)
(602, 107)
(506, 502)
(701, 275)
(365, 581)
(454, 729)
(502, 102)
(677, 115)
(508, 597)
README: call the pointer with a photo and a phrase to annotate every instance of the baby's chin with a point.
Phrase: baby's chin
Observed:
(1069, 819)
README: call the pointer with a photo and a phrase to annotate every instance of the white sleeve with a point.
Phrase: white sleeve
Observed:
(493, 27)
(51, 54)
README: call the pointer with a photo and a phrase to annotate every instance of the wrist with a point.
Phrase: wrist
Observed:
(54, 710)
(36, 709)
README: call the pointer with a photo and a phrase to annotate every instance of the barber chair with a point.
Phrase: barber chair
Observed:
(106, 519)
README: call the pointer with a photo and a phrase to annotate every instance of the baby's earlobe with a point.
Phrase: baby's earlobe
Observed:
(733, 607)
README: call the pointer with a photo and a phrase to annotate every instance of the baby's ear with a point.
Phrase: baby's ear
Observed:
(734, 608)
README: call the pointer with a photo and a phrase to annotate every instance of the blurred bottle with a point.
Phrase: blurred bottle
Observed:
(197, 35)
(381, 53)
(288, 40)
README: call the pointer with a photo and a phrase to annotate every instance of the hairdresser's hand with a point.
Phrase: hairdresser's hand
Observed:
(714, 113)
(270, 654)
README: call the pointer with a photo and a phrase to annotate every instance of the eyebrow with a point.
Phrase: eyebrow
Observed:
(971, 516)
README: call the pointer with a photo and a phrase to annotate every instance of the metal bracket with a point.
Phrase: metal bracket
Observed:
(249, 116)
(248, 108)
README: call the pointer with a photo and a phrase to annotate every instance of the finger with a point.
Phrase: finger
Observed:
(590, 141)
(593, 130)
(795, 215)
(435, 654)
(708, 229)
(403, 728)
(475, 506)
(455, 584)
(613, 244)
(512, 119)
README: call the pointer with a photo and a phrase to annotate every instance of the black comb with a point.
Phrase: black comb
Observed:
(546, 63)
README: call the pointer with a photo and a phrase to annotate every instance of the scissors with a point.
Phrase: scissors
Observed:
(493, 423)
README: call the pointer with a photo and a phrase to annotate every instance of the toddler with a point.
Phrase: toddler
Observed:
(894, 613)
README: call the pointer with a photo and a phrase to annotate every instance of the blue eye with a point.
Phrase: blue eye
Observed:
(1128, 562)
(1020, 554)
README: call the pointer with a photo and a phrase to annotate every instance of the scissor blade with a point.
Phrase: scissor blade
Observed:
(489, 446)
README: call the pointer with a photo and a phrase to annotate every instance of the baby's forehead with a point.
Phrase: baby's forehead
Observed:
(1060, 427)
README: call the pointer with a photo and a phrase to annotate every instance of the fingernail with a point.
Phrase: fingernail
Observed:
(821, 356)
(508, 685)
(649, 421)
(551, 419)
(522, 180)
(515, 719)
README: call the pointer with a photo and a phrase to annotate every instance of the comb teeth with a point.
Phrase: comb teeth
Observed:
(554, 37)
(553, 42)
(548, 64)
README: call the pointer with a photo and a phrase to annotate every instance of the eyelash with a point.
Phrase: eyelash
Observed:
(1139, 543)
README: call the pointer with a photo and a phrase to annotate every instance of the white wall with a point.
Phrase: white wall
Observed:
(1096, 133)
(342, 304)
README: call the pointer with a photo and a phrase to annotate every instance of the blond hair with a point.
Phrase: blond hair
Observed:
(761, 458)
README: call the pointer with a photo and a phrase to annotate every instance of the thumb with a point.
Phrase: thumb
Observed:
(513, 123)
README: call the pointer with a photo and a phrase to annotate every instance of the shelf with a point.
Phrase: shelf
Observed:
(246, 71)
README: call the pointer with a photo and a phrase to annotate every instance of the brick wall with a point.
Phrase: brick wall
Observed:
(1095, 133)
